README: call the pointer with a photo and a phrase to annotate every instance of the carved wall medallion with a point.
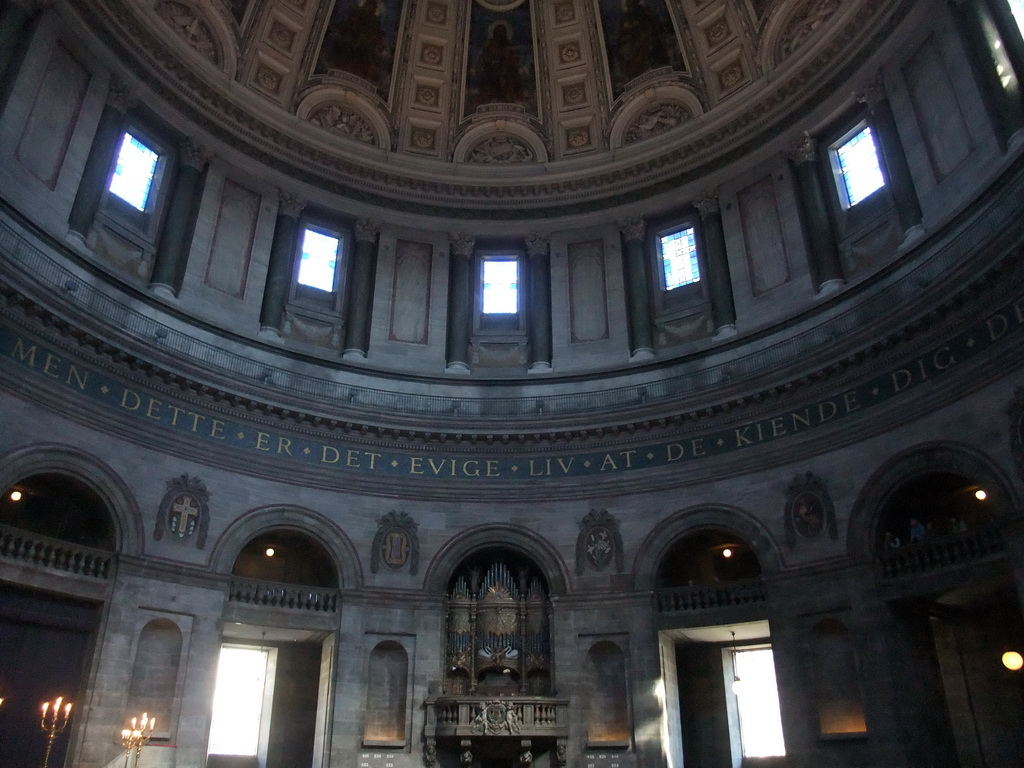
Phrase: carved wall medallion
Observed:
(396, 543)
(497, 718)
(809, 510)
(184, 511)
(599, 544)
(1016, 414)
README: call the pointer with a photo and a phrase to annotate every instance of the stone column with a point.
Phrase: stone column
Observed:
(638, 290)
(93, 183)
(723, 305)
(176, 240)
(897, 170)
(819, 232)
(359, 306)
(282, 261)
(460, 303)
(978, 31)
(538, 248)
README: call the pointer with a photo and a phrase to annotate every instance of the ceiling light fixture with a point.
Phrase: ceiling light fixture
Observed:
(726, 552)
(15, 495)
(270, 552)
(980, 494)
(1013, 661)
(737, 684)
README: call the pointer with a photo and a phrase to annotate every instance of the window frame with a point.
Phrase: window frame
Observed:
(839, 180)
(308, 296)
(683, 299)
(499, 322)
(122, 214)
(849, 220)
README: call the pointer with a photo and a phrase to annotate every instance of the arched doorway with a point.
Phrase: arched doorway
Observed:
(272, 695)
(719, 672)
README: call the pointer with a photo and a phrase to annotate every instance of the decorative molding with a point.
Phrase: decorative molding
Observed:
(809, 510)
(599, 544)
(396, 543)
(633, 229)
(367, 230)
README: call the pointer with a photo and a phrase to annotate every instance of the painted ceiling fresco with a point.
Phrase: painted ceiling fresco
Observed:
(499, 81)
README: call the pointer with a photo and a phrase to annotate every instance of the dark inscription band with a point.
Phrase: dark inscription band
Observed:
(236, 435)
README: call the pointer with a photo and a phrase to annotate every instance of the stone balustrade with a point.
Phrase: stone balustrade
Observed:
(54, 554)
(528, 717)
(288, 596)
(941, 552)
(701, 597)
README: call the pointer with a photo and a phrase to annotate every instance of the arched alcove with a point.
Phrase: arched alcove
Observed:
(498, 626)
(707, 556)
(837, 690)
(288, 557)
(61, 507)
(155, 673)
(607, 703)
(386, 696)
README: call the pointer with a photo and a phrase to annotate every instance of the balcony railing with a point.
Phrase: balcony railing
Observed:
(702, 597)
(288, 596)
(941, 552)
(54, 554)
(524, 716)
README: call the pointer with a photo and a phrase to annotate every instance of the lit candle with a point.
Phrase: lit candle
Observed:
(152, 721)
(134, 721)
(46, 706)
(67, 710)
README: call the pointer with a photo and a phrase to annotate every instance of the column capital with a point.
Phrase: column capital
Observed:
(804, 149)
(872, 92)
(462, 245)
(633, 229)
(290, 204)
(194, 154)
(120, 95)
(707, 202)
(538, 245)
(367, 230)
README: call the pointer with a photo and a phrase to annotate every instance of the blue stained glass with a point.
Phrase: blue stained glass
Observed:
(679, 258)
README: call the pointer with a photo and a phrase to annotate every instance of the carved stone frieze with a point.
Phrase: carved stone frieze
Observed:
(501, 149)
(344, 121)
(656, 120)
(189, 23)
(805, 22)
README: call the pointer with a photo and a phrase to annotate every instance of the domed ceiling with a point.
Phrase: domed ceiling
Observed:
(513, 108)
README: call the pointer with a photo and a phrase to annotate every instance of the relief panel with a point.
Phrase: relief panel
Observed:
(233, 236)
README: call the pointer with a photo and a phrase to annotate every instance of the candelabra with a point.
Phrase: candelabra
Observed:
(53, 723)
(137, 736)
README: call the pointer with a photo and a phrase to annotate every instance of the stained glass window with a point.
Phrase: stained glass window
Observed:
(859, 168)
(679, 258)
(133, 174)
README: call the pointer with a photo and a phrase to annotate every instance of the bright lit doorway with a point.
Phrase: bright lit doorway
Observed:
(242, 702)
